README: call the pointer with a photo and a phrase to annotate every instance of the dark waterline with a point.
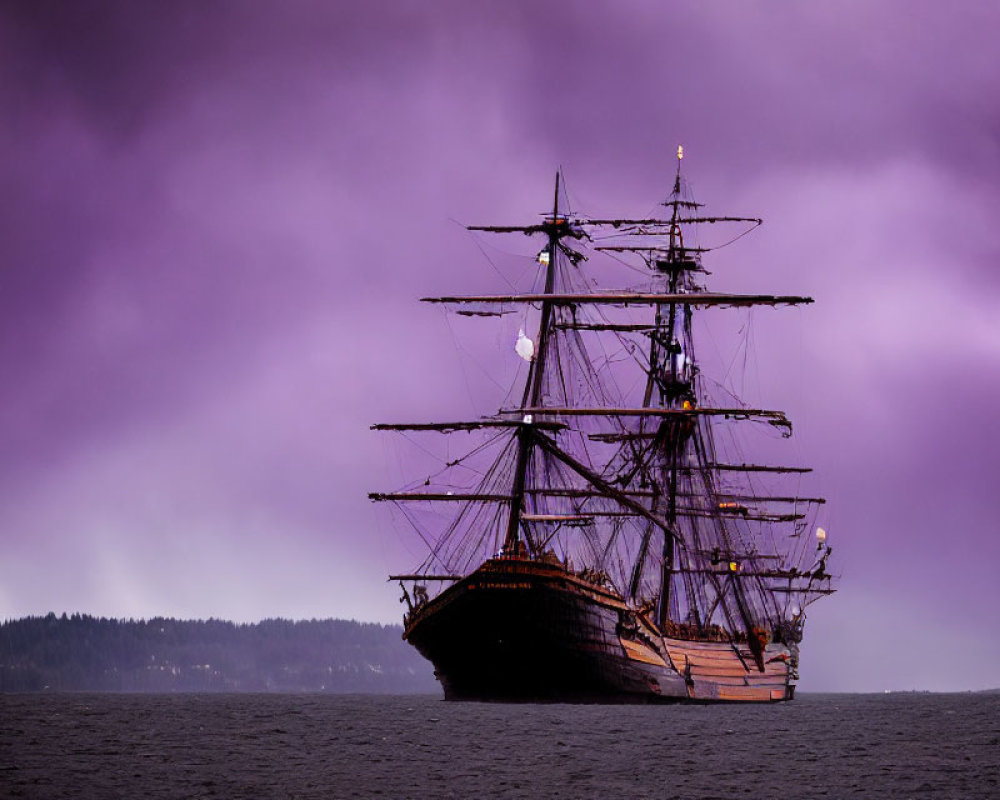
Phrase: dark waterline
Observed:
(323, 746)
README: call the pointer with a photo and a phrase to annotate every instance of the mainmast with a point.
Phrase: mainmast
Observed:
(671, 387)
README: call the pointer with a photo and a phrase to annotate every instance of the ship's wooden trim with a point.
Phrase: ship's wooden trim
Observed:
(512, 567)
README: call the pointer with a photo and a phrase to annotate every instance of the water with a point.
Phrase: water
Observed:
(328, 746)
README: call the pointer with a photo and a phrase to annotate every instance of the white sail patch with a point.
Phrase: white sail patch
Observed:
(524, 347)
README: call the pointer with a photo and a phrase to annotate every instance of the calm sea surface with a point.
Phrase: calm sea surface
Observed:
(324, 746)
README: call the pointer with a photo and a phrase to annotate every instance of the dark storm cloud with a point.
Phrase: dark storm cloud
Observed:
(215, 217)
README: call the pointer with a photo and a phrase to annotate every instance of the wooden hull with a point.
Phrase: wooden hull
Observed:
(529, 631)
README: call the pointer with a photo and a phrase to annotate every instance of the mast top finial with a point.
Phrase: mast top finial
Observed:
(680, 152)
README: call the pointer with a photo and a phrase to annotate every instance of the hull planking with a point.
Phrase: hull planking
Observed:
(518, 630)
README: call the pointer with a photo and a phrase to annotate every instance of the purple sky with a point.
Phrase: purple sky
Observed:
(217, 218)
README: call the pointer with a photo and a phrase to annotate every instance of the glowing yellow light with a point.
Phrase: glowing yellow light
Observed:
(733, 566)
(687, 405)
(543, 258)
(680, 152)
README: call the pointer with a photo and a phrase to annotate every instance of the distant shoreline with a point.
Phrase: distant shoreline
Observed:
(81, 653)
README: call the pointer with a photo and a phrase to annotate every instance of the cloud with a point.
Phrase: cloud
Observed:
(217, 218)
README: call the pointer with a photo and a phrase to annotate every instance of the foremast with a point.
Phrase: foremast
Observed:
(555, 228)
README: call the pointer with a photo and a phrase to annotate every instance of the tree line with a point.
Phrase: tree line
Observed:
(84, 653)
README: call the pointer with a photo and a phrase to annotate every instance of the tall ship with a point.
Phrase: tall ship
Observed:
(604, 536)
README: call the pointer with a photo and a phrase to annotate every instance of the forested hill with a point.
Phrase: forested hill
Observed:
(84, 653)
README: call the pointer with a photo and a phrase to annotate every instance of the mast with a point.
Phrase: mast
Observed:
(533, 386)
(670, 397)
(550, 277)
